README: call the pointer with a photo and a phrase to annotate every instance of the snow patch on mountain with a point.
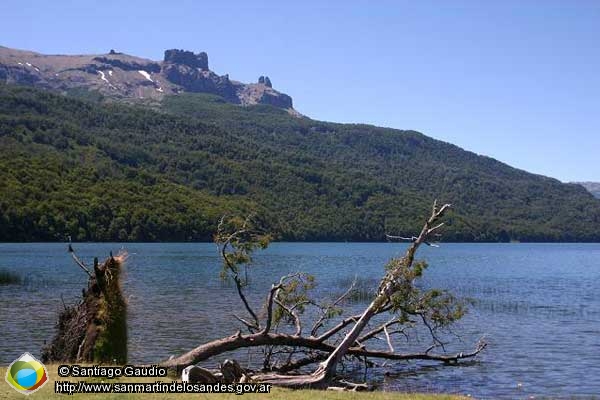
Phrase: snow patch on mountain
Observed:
(145, 75)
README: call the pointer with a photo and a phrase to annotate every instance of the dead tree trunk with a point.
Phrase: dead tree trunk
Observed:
(95, 330)
(396, 292)
(388, 286)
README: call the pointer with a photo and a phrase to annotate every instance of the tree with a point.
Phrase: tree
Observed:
(332, 339)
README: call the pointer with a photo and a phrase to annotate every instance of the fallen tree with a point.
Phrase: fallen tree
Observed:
(279, 329)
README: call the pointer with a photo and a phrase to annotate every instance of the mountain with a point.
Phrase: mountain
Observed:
(114, 171)
(592, 187)
(83, 159)
(124, 77)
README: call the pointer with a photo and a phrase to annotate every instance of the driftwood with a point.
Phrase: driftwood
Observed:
(95, 329)
(229, 372)
(396, 294)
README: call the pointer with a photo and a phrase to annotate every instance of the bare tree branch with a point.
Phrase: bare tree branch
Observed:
(386, 289)
(346, 339)
(330, 307)
(251, 327)
(378, 330)
(293, 314)
(258, 339)
(78, 261)
(275, 288)
(389, 341)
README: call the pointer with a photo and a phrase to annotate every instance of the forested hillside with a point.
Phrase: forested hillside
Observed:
(115, 172)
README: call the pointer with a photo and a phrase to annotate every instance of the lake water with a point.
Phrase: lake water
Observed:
(537, 305)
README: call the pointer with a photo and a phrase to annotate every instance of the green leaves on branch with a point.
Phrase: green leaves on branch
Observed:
(237, 238)
(293, 296)
(435, 306)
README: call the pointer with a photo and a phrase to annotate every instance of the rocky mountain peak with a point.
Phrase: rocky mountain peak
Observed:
(188, 58)
(120, 76)
(264, 80)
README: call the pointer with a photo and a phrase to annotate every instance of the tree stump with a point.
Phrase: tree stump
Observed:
(95, 330)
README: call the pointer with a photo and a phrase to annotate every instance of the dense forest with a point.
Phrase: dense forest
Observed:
(103, 171)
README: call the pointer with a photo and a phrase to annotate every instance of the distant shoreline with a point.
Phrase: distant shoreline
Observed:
(306, 242)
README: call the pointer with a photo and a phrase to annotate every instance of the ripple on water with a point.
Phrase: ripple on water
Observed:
(536, 304)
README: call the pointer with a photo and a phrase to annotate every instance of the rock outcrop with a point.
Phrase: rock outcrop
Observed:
(127, 65)
(19, 74)
(188, 58)
(120, 76)
(264, 80)
(200, 81)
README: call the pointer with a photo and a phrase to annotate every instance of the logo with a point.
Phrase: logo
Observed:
(26, 374)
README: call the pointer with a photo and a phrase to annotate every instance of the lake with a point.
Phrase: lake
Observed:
(537, 305)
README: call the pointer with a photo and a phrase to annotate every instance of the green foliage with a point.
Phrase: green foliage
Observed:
(112, 172)
(293, 297)
(437, 308)
(92, 188)
(237, 238)
(86, 94)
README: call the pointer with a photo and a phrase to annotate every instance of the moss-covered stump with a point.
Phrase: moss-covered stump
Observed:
(95, 330)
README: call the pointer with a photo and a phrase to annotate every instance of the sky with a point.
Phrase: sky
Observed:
(518, 81)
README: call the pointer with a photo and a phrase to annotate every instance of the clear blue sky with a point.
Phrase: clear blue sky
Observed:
(515, 80)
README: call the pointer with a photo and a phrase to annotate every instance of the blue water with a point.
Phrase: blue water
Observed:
(537, 305)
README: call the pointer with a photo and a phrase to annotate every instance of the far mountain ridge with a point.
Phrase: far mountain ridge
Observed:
(592, 187)
(125, 77)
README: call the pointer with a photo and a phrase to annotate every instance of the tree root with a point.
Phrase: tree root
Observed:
(95, 330)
